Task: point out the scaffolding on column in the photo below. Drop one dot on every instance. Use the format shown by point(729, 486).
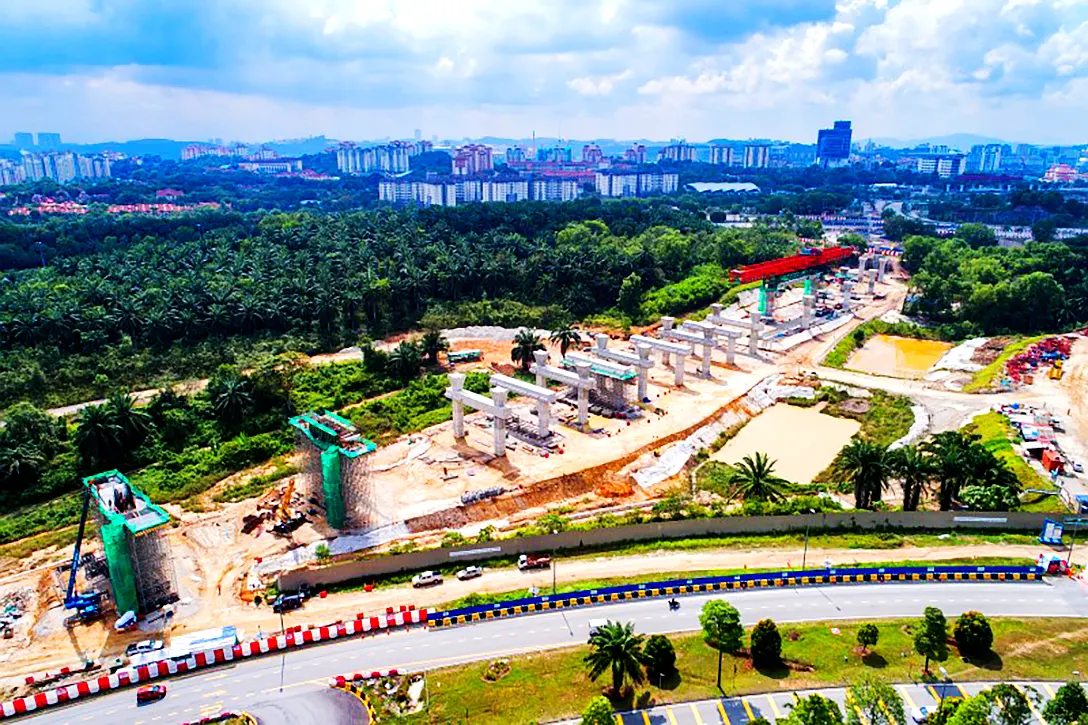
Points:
point(335, 468)
point(133, 531)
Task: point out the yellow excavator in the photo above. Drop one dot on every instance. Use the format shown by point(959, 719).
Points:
point(283, 513)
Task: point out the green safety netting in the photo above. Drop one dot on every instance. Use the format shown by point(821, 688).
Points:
point(334, 499)
point(115, 543)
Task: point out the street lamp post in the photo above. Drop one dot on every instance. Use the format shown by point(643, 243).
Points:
point(944, 690)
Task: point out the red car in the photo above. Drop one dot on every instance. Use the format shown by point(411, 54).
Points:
point(151, 693)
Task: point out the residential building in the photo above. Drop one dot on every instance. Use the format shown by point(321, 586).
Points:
point(989, 158)
point(636, 154)
point(757, 156)
point(507, 189)
point(629, 183)
point(472, 159)
point(11, 173)
point(59, 167)
point(390, 159)
point(198, 150)
point(725, 156)
point(833, 144)
point(944, 165)
point(24, 140)
point(48, 141)
point(1061, 174)
point(515, 154)
point(555, 189)
point(592, 154)
point(679, 151)
point(425, 193)
point(558, 153)
point(272, 166)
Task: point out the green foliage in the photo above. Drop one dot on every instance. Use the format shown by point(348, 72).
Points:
point(629, 298)
point(721, 625)
point(553, 523)
point(734, 294)
point(322, 552)
point(705, 284)
point(617, 649)
point(503, 313)
point(1069, 705)
point(972, 711)
point(754, 479)
point(598, 712)
point(451, 539)
point(422, 403)
point(868, 634)
point(256, 485)
point(867, 466)
point(766, 644)
point(931, 637)
point(1009, 706)
point(659, 656)
point(815, 710)
point(875, 702)
point(526, 342)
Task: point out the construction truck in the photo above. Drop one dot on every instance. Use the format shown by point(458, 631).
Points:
point(1056, 371)
point(286, 520)
point(88, 605)
point(534, 561)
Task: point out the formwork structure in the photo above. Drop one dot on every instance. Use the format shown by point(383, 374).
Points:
point(613, 383)
point(133, 531)
point(336, 468)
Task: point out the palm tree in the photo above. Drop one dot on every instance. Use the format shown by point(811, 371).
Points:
point(914, 471)
point(754, 478)
point(565, 337)
point(615, 647)
point(404, 361)
point(231, 396)
point(433, 343)
point(526, 342)
point(866, 465)
point(135, 424)
point(18, 459)
point(98, 437)
point(959, 460)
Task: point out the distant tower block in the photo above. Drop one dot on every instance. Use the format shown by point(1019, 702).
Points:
point(495, 406)
point(133, 532)
point(336, 468)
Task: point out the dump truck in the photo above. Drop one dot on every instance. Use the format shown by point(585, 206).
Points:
point(534, 561)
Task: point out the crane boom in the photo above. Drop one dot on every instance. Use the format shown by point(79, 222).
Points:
point(69, 595)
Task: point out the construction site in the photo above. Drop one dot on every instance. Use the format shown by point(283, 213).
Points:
point(584, 430)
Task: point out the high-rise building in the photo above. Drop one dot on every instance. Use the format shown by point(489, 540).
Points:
point(515, 154)
point(515, 189)
point(48, 141)
point(833, 144)
point(419, 135)
point(636, 154)
point(944, 165)
point(592, 154)
point(757, 156)
point(724, 155)
point(629, 183)
point(989, 158)
point(24, 140)
point(59, 167)
point(554, 189)
point(472, 159)
point(392, 158)
point(678, 151)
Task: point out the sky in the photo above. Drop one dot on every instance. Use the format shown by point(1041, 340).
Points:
point(97, 70)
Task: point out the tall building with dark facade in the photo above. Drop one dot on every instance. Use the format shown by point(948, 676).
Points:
point(833, 144)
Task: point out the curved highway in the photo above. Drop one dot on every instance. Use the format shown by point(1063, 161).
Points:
point(303, 673)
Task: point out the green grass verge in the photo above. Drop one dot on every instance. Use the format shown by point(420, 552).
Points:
point(985, 378)
point(998, 436)
point(552, 685)
point(842, 351)
point(63, 537)
point(475, 600)
point(45, 517)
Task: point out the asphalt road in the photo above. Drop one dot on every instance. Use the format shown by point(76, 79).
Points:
point(305, 672)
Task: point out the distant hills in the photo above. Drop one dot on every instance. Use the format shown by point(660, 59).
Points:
point(961, 141)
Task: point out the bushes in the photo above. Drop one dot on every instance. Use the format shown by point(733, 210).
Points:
point(868, 634)
point(659, 656)
point(973, 634)
point(421, 404)
point(504, 313)
point(706, 283)
point(766, 645)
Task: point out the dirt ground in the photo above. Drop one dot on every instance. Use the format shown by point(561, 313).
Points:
point(899, 357)
point(800, 441)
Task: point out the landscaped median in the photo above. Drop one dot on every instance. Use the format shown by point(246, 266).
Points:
point(293, 638)
point(529, 605)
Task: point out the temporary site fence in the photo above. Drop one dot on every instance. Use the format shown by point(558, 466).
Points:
point(606, 595)
point(252, 648)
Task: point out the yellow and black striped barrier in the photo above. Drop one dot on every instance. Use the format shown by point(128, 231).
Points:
point(364, 698)
point(748, 581)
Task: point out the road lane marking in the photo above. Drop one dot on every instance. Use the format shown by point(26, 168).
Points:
point(721, 711)
point(697, 714)
point(672, 718)
point(645, 718)
point(774, 708)
point(1049, 691)
point(748, 709)
point(905, 691)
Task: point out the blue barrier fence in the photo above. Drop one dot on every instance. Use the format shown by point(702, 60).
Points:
point(737, 581)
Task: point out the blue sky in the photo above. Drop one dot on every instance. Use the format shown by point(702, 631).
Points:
point(698, 69)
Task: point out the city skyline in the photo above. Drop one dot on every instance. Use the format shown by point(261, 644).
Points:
point(615, 68)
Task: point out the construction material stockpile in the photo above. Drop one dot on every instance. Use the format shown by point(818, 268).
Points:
point(1044, 352)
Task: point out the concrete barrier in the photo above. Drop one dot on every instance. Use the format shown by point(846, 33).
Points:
point(252, 648)
point(530, 605)
point(377, 566)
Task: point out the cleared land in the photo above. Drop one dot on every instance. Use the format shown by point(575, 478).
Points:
point(899, 357)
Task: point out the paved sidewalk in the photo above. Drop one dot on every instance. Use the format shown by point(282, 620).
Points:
point(776, 706)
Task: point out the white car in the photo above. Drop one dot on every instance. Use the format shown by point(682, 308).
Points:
point(426, 579)
point(147, 645)
point(1077, 467)
point(919, 714)
point(470, 572)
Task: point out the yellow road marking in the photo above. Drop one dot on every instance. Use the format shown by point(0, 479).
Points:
point(1031, 705)
point(748, 709)
point(672, 718)
point(619, 720)
point(851, 703)
point(698, 717)
point(905, 692)
point(646, 717)
point(774, 707)
point(721, 711)
point(1048, 689)
point(214, 693)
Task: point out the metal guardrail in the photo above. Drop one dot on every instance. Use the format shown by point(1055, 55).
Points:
point(836, 575)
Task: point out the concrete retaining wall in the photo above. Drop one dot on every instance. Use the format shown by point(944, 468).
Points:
point(573, 540)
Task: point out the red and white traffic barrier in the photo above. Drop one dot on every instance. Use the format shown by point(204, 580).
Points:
point(46, 677)
point(250, 648)
point(341, 680)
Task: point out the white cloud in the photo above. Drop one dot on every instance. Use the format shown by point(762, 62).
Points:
point(600, 86)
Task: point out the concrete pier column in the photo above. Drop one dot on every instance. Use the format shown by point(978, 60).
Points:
point(643, 351)
point(457, 383)
point(755, 327)
point(678, 372)
point(863, 261)
point(667, 323)
point(602, 341)
point(543, 419)
point(731, 349)
point(584, 373)
point(708, 348)
point(541, 358)
point(872, 281)
point(808, 310)
point(716, 310)
point(847, 290)
point(881, 269)
point(498, 395)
